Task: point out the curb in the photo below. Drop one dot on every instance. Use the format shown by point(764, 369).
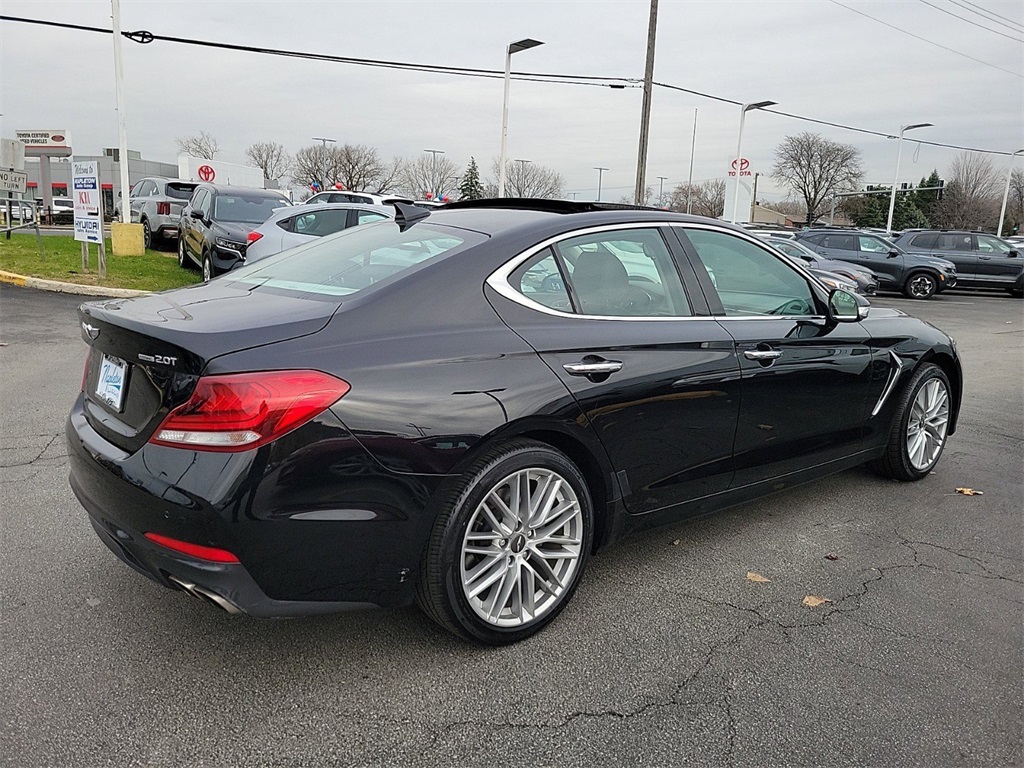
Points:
point(58, 287)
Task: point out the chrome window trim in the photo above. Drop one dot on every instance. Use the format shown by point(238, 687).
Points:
point(499, 278)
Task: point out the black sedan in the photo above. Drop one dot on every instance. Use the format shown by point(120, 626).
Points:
point(460, 406)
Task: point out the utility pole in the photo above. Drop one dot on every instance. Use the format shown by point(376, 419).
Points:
point(645, 113)
point(753, 198)
point(600, 176)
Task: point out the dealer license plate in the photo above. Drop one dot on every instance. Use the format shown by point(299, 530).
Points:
point(110, 387)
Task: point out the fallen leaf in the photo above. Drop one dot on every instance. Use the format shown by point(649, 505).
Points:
point(970, 492)
point(757, 577)
point(676, 542)
point(93, 601)
point(831, 556)
point(813, 601)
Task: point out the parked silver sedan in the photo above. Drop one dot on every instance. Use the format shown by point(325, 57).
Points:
point(289, 227)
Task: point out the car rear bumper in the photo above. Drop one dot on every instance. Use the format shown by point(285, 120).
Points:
point(321, 530)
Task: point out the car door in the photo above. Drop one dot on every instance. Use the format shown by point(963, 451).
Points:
point(996, 265)
point(806, 383)
point(959, 248)
point(656, 377)
point(881, 257)
point(138, 198)
point(202, 202)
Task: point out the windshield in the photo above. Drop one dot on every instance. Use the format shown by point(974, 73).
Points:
point(356, 259)
point(245, 209)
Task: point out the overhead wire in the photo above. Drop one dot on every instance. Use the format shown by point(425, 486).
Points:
point(145, 37)
point(984, 11)
point(969, 21)
point(926, 40)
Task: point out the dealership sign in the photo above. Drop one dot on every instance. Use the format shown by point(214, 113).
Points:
point(55, 139)
point(85, 191)
point(744, 165)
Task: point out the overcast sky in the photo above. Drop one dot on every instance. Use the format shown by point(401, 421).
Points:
point(815, 58)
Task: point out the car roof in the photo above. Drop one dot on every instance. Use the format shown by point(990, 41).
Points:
point(221, 189)
point(300, 210)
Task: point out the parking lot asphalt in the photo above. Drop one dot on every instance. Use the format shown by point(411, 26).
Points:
point(667, 655)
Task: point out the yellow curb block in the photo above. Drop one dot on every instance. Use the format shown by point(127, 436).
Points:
point(60, 287)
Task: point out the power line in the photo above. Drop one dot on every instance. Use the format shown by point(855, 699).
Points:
point(972, 23)
point(984, 11)
point(926, 40)
point(591, 80)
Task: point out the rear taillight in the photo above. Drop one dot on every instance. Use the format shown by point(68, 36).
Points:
point(252, 237)
point(194, 550)
point(239, 411)
point(163, 209)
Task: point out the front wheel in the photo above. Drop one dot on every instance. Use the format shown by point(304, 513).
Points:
point(920, 285)
point(509, 545)
point(208, 273)
point(183, 260)
point(919, 428)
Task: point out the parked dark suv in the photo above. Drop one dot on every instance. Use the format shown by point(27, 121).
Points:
point(982, 261)
point(916, 275)
point(215, 223)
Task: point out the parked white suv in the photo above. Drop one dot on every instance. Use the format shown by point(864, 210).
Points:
point(369, 198)
point(156, 204)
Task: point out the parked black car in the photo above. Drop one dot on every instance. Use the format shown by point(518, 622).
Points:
point(915, 275)
point(863, 278)
point(458, 407)
point(216, 221)
point(982, 261)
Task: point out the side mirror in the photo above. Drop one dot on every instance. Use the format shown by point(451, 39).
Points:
point(893, 254)
point(195, 213)
point(845, 307)
point(1012, 253)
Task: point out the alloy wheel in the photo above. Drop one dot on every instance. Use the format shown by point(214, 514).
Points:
point(921, 286)
point(522, 547)
point(927, 424)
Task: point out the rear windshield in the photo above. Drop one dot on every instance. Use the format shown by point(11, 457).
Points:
point(357, 258)
point(180, 191)
point(245, 209)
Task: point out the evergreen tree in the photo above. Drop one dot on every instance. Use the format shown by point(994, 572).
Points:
point(470, 187)
point(926, 201)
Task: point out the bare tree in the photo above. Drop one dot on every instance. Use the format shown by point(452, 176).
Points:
point(201, 145)
point(526, 179)
point(315, 164)
point(358, 166)
point(816, 168)
point(438, 176)
point(648, 198)
point(972, 194)
point(270, 157)
point(706, 198)
point(1015, 202)
point(391, 175)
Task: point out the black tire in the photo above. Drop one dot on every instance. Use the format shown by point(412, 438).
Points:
point(445, 577)
point(209, 272)
point(147, 235)
point(1017, 293)
point(920, 285)
point(183, 260)
point(896, 462)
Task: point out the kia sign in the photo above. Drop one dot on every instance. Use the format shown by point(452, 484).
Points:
point(206, 173)
point(85, 191)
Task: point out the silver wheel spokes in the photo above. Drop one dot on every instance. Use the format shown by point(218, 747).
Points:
point(926, 428)
point(522, 547)
point(920, 286)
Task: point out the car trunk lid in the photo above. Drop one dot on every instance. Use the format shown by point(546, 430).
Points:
point(147, 353)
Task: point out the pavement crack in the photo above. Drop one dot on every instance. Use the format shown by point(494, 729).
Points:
point(38, 456)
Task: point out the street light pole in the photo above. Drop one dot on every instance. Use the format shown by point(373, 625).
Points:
point(122, 124)
point(661, 191)
point(645, 112)
point(739, 151)
point(1006, 193)
point(325, 141)
point(433, 170)
point(895, 181)
point(600, 176)
point(516, 47)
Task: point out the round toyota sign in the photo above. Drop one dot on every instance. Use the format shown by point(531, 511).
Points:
point(206, 173)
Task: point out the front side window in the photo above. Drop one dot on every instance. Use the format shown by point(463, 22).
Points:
point(356, 258)
point(873, 245)
point(750, 280)
point(989, 244)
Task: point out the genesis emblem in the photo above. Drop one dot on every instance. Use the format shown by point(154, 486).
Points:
point(91, 330)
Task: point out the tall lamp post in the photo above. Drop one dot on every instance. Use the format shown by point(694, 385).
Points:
point(516, 47)
point(895, 181)
point(739, 150)
point(600, 176)
point(661, 191)
point(433, 170)
point(1006, 193)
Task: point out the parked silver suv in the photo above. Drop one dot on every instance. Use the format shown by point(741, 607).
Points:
point(156, 203)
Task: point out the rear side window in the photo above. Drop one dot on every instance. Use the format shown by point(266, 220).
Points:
point(924, 241)
point(355, 259)
point(842, 242)
point(541, 280)
point(179, 191)
point(950, 241)
point(320, 223)
point(368, 216)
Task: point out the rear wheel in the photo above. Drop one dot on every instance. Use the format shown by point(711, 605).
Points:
point(147, 235)
point(920, 285)
point(509, 545)
point(919, 428)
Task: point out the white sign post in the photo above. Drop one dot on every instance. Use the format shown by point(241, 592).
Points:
point(87, 196)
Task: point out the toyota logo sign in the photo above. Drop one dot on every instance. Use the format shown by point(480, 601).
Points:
point(206, 173)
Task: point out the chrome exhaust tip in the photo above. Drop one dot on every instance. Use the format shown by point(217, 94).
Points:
point(207, 596)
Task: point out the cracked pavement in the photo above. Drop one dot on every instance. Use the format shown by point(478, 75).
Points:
point(667, 655)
